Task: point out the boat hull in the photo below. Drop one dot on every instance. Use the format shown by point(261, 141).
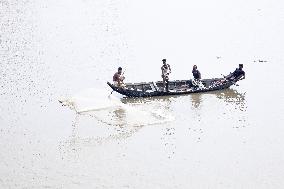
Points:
point(178, 87)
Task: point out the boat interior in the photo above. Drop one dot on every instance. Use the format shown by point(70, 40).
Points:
point(177, 85)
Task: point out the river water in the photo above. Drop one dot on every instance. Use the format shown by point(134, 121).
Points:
point(67, 50)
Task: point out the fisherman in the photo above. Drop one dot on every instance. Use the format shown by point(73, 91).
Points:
point(118, 78)
point(196, 78)
point(196, 74)
point(166, 70)
point(238, 74)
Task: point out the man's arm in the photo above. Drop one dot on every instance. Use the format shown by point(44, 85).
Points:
point(121, 78)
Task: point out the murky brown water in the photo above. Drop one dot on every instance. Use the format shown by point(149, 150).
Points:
point(53, 50)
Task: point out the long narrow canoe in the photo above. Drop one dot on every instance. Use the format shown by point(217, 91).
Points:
point(176, 87)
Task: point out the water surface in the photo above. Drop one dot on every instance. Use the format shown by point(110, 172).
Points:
point(54, 50)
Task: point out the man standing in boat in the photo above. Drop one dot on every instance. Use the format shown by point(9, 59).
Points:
point(166, 70)
point(118, 78)
point(196, 77)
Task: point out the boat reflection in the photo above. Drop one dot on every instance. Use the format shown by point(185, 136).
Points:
point(196, 100)
point(229, 96)
point(233, 98)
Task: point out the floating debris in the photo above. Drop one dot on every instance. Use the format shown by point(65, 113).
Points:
point(260, 61)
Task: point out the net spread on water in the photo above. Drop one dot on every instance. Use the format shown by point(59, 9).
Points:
point(109, 109)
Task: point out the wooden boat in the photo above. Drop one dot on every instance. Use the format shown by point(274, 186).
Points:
point(176, 87)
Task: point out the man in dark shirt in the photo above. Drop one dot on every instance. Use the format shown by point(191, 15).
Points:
point(118, 77)
point(239, 72)
point(196, 82)
point(196, 74)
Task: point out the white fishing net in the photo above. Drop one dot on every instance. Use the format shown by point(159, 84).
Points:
point(109, 109)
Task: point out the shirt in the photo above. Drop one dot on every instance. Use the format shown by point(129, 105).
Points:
point(116, 77)
point(166, 69)
point(196, 74)
point(238, 72)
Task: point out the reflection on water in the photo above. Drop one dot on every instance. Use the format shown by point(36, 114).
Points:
point(196, 100)
point(233, 97)
point(229, 96)
point(123, 121)
point(229, 104)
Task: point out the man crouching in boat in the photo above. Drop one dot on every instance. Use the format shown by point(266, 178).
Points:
point(166, 70)
point(238, 74)
point(118, 78)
